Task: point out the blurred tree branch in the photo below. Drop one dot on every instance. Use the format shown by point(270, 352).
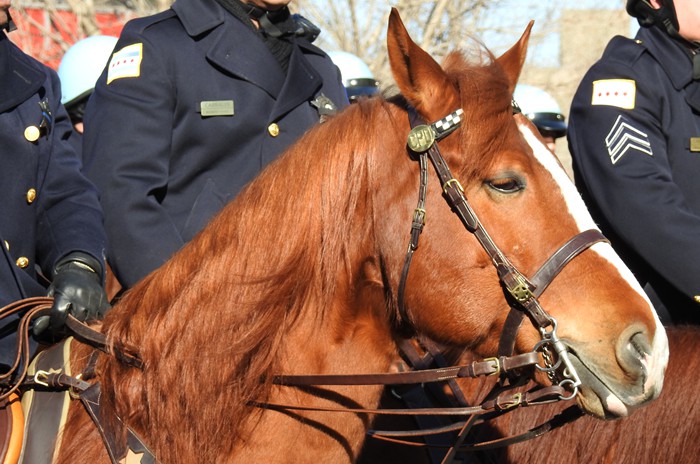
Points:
point(438, 26)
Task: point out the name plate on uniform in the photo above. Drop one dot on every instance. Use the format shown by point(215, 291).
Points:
point(216, 108)
point(695, 144)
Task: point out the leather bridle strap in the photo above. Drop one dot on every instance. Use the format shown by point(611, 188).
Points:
point(491, 366)
point(416, 229)
point(85, 333)
point(503, 402)
point(568, 415)
point(541, 280)
point(34, 307)
point(515, 283)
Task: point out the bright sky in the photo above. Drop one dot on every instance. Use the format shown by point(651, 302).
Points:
point(546, 14)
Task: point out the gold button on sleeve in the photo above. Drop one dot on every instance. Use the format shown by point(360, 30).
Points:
point(31, 195)
point(273, 129)
point(22, 262)
point(697, 298)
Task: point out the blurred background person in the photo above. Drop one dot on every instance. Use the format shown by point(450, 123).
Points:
point(544, 112)
point(357, 77)
point(79, 70)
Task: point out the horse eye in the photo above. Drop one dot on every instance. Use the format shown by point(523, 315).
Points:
point(506, 184)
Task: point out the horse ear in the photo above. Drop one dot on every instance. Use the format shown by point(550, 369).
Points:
point(512, 61)
point(419, 77)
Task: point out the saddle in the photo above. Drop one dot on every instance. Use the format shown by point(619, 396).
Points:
point(30, 427)
point(11, 430)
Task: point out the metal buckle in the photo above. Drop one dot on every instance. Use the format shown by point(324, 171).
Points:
point(497, 365)
point(516, 401)
point(449, 183)
point(42, 378)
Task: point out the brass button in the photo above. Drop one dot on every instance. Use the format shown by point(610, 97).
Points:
point(32, 133)
point(31, 195)
point(697, 298)
point(22, 262)
point(273, 129)
point(7, 245)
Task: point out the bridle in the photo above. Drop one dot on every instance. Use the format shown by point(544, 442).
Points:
point(521, 293)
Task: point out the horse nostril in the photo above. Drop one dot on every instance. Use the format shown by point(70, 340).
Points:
point(634, 353)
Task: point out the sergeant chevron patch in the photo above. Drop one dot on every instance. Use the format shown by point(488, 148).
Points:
point(623, 138)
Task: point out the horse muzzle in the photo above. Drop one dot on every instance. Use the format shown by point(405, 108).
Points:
point(642, 361)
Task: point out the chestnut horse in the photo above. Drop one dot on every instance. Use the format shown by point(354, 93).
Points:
point(300, 275)
point(665, 431)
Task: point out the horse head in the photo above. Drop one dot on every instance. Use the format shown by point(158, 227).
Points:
point(530, 208)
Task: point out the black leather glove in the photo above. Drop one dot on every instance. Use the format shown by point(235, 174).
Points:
point(77, 290)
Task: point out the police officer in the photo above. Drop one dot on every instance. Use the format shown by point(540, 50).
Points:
point(357, 77)
point(194, 103)
point(634, 135)
point(79, 70)
point(51, 233)
point(544, 112)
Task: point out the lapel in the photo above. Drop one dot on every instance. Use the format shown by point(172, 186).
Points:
point(229, 44)
point(19, 80)
point(302, 82)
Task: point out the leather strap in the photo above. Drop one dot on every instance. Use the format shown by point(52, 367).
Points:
point(541, 280)
point(117, 449)
point(85, 333)
point(569, 415)
point(503, 402)
point(553, 266)
point(492, 366)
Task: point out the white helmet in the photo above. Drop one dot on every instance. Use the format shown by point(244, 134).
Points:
point(82, 65)
point(357, 77)
point(542, 109)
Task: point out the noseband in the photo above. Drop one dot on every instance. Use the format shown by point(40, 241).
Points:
point(521, 293)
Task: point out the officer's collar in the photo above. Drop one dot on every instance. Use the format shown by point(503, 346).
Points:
point(670, 53)
point(20, 79)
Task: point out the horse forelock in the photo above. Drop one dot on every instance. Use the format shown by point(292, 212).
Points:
point(485, 98)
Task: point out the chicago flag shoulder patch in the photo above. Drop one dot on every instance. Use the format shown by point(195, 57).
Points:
point(125, 63)
point(614, 92)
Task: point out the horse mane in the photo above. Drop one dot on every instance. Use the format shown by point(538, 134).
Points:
point(210, 323)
